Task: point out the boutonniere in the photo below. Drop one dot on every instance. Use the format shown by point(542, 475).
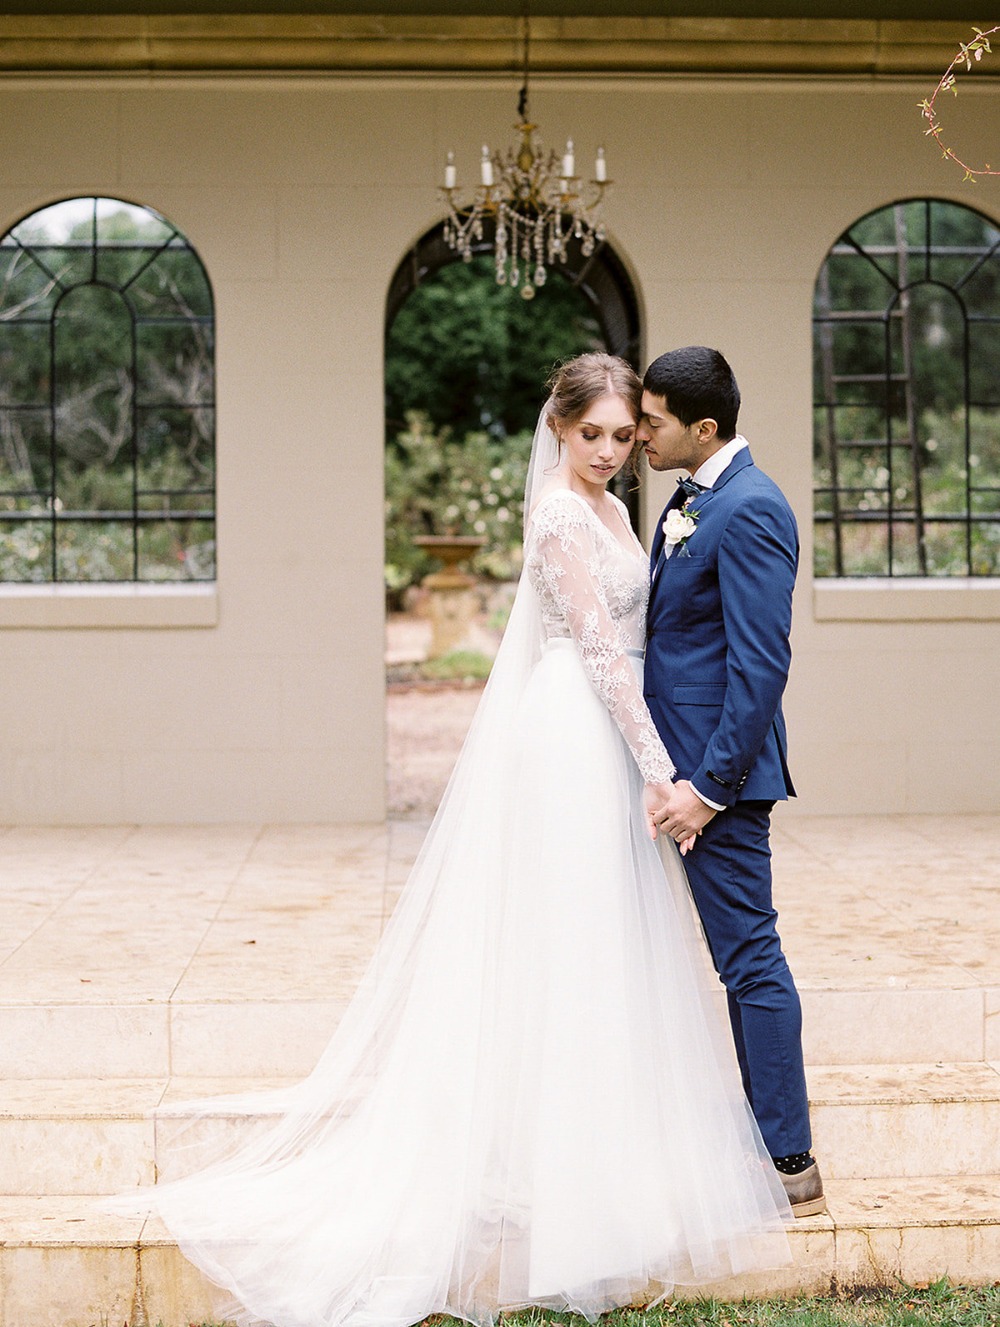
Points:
point(679, 526)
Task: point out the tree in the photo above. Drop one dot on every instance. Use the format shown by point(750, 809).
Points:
point(473, 355)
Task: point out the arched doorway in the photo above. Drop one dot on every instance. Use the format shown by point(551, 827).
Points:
point(494, 400)
point(602, 278)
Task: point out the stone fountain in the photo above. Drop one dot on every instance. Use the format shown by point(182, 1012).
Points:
point(451, 602)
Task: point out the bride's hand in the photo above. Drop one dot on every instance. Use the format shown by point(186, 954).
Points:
point(687, 844)
point(654, 798)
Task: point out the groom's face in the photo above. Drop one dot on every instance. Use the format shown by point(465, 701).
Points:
point(669, 444)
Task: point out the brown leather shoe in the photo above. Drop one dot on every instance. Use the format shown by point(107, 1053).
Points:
point(805, 1191)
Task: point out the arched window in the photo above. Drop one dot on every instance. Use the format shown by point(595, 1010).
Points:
point(107, 398)
point(907, 395)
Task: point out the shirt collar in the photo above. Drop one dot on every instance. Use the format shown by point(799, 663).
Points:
point(712, 469)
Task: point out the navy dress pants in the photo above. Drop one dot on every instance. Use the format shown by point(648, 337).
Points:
point(729, 870)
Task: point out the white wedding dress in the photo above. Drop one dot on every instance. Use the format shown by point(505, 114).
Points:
point(532, 1099)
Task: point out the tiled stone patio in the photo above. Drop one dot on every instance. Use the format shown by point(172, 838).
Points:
point(135, 960)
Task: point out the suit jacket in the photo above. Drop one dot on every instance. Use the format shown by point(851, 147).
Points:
point(717, 651)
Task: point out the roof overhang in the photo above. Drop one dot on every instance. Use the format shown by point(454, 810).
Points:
point(707, 37)
point(906, 11)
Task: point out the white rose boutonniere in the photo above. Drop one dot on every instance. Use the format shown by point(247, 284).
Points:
point(678, 528)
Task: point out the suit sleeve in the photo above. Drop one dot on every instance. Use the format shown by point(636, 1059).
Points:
point(758, 557)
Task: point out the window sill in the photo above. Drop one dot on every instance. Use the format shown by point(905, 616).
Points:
point(109, 606)
point(955, 599)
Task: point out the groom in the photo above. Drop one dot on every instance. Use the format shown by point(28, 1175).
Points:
point(717, 654)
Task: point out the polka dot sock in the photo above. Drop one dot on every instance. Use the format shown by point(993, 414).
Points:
point(794, 1164)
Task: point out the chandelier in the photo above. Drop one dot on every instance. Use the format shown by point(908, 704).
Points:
point(537, 203)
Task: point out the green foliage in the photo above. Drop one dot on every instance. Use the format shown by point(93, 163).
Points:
point(473, 355)
point(465, 365)
point(168, 549)
point(461, 665)
point(436, 484)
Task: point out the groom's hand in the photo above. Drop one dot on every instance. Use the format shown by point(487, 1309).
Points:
point(683, 815)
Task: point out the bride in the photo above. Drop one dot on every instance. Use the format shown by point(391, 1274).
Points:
point(532, 1098)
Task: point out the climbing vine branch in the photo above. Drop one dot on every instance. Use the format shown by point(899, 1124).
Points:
point(968, 52)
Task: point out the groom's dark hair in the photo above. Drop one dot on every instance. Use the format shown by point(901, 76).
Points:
point(696, 383)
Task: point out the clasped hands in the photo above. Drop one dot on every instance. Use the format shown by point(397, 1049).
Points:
point(677, 810)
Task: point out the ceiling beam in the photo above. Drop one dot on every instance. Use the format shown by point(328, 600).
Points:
point(905, 10)
point(441, 45)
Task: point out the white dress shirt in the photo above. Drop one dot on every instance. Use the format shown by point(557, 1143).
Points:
point(712, 469)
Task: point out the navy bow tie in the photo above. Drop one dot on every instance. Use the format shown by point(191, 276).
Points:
point(690, 489)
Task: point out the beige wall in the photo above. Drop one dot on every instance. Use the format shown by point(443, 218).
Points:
point(301, 196)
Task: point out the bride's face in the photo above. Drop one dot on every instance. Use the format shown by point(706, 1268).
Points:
point(597, 446)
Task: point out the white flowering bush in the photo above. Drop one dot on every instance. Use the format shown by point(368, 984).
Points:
point(437, 484)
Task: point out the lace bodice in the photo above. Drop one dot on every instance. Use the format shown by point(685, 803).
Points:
point(594, 591)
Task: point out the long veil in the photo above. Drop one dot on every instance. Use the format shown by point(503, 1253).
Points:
point(466, 834)
point(431, 1161)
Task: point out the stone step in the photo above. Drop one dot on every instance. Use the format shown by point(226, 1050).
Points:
point(77, 1137)
point(905, 1120)
point(63, 1263)
point(247, 1037)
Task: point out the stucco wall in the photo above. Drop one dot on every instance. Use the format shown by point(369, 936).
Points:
point(301, 195)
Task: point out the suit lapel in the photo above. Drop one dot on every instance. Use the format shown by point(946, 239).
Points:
point(656, 559)
point(656, 552)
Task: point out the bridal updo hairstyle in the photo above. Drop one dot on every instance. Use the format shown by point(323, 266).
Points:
point(575, 385)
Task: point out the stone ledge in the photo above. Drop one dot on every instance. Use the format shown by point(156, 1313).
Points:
point(898, 599)
point(108, 606)
point(404, 44)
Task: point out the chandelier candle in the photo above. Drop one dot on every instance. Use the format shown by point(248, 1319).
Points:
point(536, 202)
point(537, 206)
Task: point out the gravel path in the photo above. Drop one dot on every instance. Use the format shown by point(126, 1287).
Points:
point(426, 729)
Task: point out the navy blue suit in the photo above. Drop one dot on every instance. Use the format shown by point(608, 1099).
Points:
point(717, 658)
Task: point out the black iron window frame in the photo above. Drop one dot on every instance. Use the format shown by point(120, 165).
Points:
point(137, 516)
point(844, 510)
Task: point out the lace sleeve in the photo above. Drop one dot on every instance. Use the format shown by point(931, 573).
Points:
point(564, 563)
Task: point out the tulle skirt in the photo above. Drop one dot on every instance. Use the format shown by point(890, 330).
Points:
point(532, 1099)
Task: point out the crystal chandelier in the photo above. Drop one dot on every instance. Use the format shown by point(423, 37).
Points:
point(538, 203)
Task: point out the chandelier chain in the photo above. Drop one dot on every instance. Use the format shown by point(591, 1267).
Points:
point(522, 101)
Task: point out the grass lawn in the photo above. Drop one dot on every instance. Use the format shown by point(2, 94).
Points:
point(937, 1305)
